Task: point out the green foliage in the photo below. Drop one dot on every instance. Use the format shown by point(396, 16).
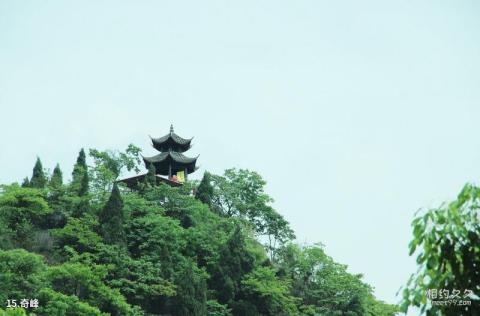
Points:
point(176, 202)
point(80, 177)
point(162, 251)
point(325, 284)
point(233, 264)
point(139, 280)
point(79, 234)
point(21, 210)
point(81, 159)
point(86, 283)
point(150, 178)
point(54, 303)
point(447, 240)
point(20, 274)
point(269, 293)
point(191, 291)
point(39, 179)
point(375, 307)
point(214, 308)
point(25, 183)
point(111, 219)
point(108, 166)
point(158, 238)
point(13, 312)
point(56, 181)
point(84, 185)
point(54, 197)
point(240, 193)
point(205, 189)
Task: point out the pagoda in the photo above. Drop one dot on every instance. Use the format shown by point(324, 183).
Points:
point(170, 162)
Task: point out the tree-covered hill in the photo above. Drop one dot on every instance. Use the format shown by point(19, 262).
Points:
point(93, 247)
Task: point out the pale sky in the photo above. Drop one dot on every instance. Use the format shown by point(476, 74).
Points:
point(357, 113)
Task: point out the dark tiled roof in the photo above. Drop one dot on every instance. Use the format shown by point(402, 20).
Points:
point(176, 139)
point(177, 157)
point(133, 182)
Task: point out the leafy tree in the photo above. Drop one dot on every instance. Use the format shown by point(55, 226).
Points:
point(87, 283)
point(20, 274)
point(21, 212)
point(207, 236)
point(214, 308)
point(38, 180)
point(79, 234)
point(325, 285)
point(270, 294)
point(276, 228)
point(205, 189)
point(112, 219)
point(56, 181)
point(241, 193)
point(109, 165)
point(447, 240)
point(55, 303)
point(13, 312)
point(176, 202)
point(157, 239)
point(376, 307)
point(138, 280)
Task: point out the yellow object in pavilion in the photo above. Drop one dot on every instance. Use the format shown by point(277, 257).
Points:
point(181, 176)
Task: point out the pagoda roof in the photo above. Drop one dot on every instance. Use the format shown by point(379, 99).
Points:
point(134, 181)
point(175, 156)
point(171, 141)
point(171, 162)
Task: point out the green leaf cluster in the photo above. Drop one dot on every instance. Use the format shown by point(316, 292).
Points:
point(447, 243)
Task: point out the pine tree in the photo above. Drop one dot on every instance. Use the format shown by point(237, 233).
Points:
point(111, 219)
point(84, 184)
point(39, 179)
point(25, 183)
point(56, 181)
point(57, 218)
point(235, 261)
point(150, 178)
point(191, 295)
point(205, 190)
point(82, 158)
point(80, 180)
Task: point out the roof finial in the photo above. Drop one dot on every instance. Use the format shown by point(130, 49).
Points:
point(171, 128)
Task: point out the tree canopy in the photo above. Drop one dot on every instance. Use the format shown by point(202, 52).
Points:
point(447, 243)
point(91, 246)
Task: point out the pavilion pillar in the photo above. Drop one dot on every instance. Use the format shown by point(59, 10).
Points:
point(169, 171)
point(186, 174)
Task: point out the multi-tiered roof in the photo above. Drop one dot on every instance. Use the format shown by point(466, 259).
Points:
point(171, 159)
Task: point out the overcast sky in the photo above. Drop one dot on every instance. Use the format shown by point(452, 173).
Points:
point(357, 113)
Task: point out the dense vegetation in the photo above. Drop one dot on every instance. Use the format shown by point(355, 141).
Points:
point(218, 247)
point(447, 242)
